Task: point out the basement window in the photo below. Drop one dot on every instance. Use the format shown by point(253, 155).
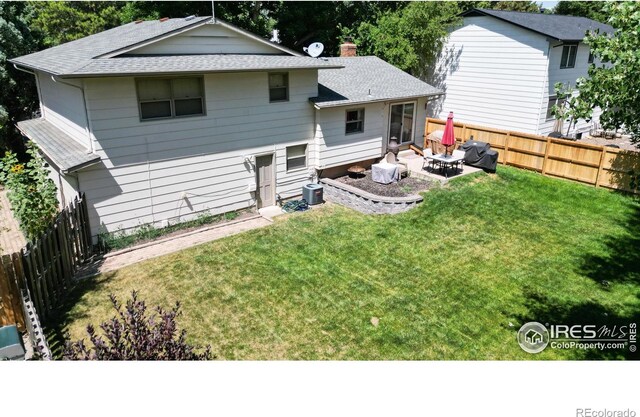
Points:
point(162, 98)
point(278, 87)
point(296, 157)
point(568, 59)
point(355, 121)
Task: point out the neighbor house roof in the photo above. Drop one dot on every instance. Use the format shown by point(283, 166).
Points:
point(101, 54)
point(366, 79)
point(558, 27)
point(61, 149)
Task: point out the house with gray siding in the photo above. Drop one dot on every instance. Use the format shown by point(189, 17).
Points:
point(158, 121)
point(499, 69)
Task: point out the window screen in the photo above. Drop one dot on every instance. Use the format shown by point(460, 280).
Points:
point(296, 157)
point(279, 87)
point(166, 97)
point(355, 121)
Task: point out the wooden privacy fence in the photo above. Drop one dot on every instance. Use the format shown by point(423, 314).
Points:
point(45, 266)
point(600, 166)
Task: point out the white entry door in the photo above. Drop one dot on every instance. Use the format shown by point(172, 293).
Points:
point(401, 122)
point(266, 181)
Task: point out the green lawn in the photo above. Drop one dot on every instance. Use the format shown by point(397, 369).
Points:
point(452, 279)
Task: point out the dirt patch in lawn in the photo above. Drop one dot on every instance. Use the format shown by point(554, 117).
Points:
point(403, 188)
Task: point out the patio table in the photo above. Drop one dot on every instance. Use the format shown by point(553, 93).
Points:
point(384, 173)
point(446, 161)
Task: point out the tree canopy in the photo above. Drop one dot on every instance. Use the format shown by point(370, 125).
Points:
point(589, 9)
point(613, 83)
point(18, 95)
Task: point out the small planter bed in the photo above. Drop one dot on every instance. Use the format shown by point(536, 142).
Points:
point(406, 187)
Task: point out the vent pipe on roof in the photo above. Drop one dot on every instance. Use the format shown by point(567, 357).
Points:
point(193, 16)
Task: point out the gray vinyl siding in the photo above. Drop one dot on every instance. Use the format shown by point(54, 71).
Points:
point(567, 76)
point(147, 165)
point(493, 74)
point(336, 148)
point(63, 106)
point(207, 39)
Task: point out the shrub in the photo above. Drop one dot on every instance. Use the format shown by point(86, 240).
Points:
point(31, 192)
point(133, 335)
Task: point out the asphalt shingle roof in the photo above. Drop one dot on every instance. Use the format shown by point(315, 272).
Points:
point(172, 64)
point(562, 28)
point(366, 79)
point(86, 56)
point(67, 154)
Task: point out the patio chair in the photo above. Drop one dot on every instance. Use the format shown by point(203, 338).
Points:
point(390, 158)
point(460, 154)
point(428, 153)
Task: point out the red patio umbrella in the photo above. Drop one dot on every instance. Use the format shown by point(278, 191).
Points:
point(448, 139)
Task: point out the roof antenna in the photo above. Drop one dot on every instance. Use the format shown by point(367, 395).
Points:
point(213, 10)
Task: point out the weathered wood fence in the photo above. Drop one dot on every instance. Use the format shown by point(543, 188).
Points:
point(600, 166)
point(45, 267)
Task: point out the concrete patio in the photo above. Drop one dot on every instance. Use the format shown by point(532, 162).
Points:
point(415, 162)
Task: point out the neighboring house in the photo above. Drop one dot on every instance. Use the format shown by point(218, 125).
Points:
point(157, 121)
point(499, 68)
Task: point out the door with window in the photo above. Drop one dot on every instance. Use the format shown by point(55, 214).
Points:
point(401, 122)
point(265, 180)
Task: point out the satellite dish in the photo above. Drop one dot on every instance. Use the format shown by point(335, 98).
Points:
point(314, 50)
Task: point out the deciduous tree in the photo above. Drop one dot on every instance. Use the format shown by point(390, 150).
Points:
point(613, 83)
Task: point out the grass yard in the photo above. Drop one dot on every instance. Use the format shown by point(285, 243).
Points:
point(452, 279)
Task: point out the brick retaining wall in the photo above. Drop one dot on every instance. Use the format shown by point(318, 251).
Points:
point(365, 202)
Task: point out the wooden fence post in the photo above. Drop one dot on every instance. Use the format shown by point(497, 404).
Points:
point(547, 147)
point(602, 158)
point(506, 149)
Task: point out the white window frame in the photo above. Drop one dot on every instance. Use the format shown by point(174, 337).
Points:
point(306, 157)
point(286, 87)
point(569, 62)
point(347, 121)
point(171, 99)
point(550, 106)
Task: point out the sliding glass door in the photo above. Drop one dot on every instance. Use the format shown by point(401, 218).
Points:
point(401, 122)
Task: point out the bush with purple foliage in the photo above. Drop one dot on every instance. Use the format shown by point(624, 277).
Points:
point(133, 335)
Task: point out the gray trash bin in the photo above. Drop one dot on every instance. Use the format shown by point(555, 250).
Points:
point(312, 193)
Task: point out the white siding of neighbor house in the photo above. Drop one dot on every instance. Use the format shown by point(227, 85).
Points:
point(567, 76)
point(63, 106)
point(335, 148)
point(148, 165)
point(207, 39)
point(493, 74)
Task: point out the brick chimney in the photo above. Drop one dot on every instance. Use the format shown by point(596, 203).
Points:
point(348, 48)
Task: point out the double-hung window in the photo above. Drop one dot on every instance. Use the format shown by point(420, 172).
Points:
point(278, 87)
point(553, 101)
point(355, 121)
point(161, 98)
point(568, 59)
point(296, 157)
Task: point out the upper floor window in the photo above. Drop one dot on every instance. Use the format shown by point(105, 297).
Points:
point(161, 98)
point(568, 59)
point(355, 121)
point(590, 59)
point(278, 86)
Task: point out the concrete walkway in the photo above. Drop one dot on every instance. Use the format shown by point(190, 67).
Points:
point(11, 238)
point(129, 256)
